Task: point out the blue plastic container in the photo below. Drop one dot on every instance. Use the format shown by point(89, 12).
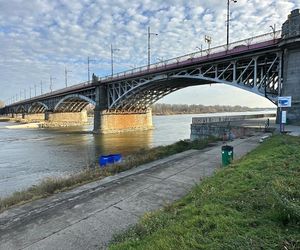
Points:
point(109, 159)
point(117, 157)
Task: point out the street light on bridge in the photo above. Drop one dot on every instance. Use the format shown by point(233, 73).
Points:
point(51, 83)
point(273, 27)
point(112, 50)
point(200, 49)
point(149, 48)
point(228, 20)
point(208, 40)
point(88, 64)
point(66, 76)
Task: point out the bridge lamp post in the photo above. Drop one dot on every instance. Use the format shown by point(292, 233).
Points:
point(51, 83)
point(41, 87)
point(228, 14)
point(208, 40)
point(273, 30)
point(88, 64)
point(149, 47)
point(112, 50)
point(200, 49)
point(66, 76)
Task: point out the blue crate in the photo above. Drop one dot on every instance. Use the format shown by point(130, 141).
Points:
point(109, 159)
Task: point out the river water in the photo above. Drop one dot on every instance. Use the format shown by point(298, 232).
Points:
point(30, 155)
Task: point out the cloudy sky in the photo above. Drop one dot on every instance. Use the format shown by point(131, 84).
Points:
point(39, 38)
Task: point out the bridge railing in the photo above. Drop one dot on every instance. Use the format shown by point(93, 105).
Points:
point(55, 92)
point(235, 47)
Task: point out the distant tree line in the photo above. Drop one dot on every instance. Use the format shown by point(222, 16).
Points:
point(170, 109)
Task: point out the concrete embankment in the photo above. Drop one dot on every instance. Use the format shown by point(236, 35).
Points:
point(88, 216)
point(228, 127)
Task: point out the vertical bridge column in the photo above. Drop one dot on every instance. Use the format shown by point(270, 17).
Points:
point(112, 122)
point(101, 106)
point(290, 45)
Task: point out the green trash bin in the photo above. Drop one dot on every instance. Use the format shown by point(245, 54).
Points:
point(227, 155)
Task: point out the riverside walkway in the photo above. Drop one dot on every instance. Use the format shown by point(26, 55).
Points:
point(88, 216)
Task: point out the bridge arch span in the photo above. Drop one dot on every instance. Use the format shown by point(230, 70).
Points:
point(256, 74)
point(142, 96)
point(20, 109)
point(73, 103)
point(38, 107)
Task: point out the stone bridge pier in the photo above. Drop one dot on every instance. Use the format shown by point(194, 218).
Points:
point(67, 117)
point(290, 45)
point(34, 117)
point(114, 122)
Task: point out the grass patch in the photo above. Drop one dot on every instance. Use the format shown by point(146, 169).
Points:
point(147, 155)
point(253, 204)
point(50, 186)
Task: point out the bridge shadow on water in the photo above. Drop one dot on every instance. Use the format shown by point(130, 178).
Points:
point(96, 144)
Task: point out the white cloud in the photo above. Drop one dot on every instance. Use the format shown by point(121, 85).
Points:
point(39, 37)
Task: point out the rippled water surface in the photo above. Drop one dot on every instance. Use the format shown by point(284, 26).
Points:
point(29, 155)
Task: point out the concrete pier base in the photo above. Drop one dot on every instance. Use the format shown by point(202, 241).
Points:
point(17, 116)
point(67, 118)
point(34, 117)
point(105, 122)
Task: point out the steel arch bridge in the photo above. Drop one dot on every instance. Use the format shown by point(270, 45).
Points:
point(267, 65)
point(253, 64)
point(258, 73)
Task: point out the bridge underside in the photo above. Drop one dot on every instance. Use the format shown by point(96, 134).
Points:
point(142, 98)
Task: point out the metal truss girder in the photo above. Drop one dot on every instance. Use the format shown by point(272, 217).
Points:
point(37, 107)
point(66, 104)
